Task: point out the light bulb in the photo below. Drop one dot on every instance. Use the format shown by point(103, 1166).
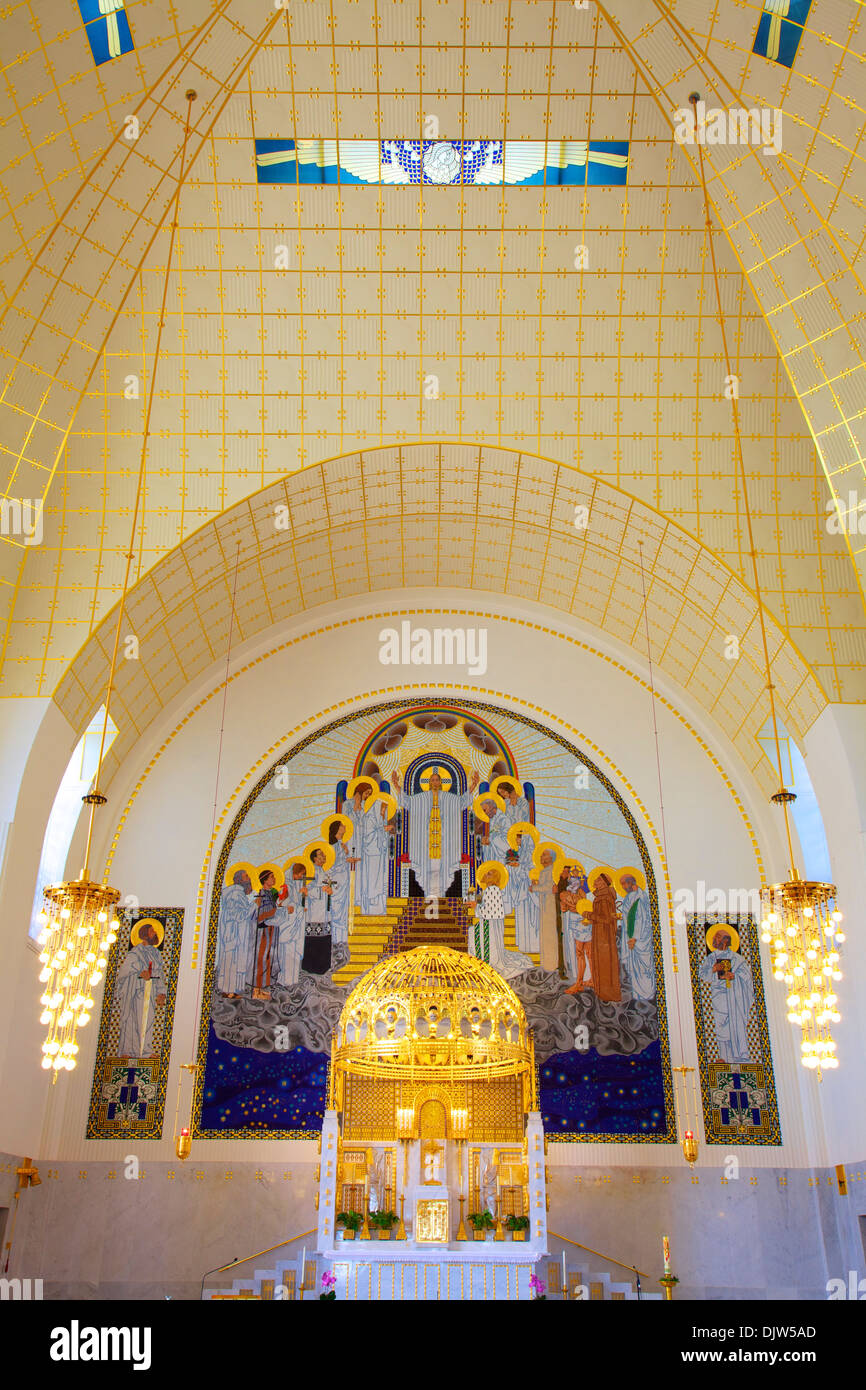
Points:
point(811, 955)
point(792, 1000)
point(777, 975)
point(766, 938)
point(808, 912)
point(45, 1017)
point(772, 917)
point(44, 975)
point(835, 1018)
point(836, 916)
point(102, 916)
point(82, 1019)
point(831, 1062)
point(65, 913)
point(840, 936)
point(791, 931)
point(96, 977)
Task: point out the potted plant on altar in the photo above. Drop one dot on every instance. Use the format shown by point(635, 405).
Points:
point(518, 1226)
point(328, 1290)
point(382, 1221)
point(481, 1222)
point(351, 1221)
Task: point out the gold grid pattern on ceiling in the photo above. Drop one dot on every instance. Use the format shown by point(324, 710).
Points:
point(617, 368)
point(398, 516)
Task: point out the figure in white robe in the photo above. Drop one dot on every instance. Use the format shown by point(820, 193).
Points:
point(236, 935)
point(636, 950)
point(487, 931)
point(340, 874)
point(371, 878)
point(494, 844)
point(521, 900)
point(516, 808)
point(435, 873)
point(733, 994)
point(139, 988)
point(576, 936)
point(291, 943)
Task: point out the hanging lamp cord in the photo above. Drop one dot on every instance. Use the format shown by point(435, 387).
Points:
point(95, 797)
point(782, 796)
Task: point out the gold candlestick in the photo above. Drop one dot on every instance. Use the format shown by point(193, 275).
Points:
point(500, 1234)
point(669, 1283)
point(461, 1229)
point(365, 1229)
point(401, 1229)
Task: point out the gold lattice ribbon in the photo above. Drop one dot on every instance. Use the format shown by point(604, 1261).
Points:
point(435, 838)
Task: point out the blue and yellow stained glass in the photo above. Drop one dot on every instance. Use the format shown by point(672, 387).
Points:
point(780, 29)
point(107, 29)
point(492, 162)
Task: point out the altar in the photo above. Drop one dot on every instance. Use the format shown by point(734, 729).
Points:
point(432, 1148)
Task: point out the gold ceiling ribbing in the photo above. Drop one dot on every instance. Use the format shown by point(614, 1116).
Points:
point(615, 367)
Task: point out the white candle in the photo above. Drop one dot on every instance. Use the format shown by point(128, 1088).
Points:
point(666, 1251)
point(303, 1266)
point(564, 1279)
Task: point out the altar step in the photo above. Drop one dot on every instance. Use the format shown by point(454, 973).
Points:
point(451, 1276)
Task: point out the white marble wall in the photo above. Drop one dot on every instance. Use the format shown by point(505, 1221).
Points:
point(771, 1233)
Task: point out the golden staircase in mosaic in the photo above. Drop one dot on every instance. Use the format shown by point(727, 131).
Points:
point(404, 925)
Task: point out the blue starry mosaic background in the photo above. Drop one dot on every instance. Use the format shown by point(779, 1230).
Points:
point(245, 1089)
point(587, 1093)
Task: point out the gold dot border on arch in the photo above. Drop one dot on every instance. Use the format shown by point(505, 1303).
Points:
point(397, 690)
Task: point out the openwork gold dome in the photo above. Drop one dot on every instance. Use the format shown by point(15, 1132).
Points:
point(433, 1016)
point(432, 1007)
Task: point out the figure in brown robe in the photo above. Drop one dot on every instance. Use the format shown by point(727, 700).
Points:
point(605, 961)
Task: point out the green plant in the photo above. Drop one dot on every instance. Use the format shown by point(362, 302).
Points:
point(481, 1220)
point(352, 1220)
point(517, 1223)
point(383, 1220)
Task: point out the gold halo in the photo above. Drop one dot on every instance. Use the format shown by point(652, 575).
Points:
point(575, 864)
point(601, 869)
point(279, 876)
point(558, 859)
point(233, 869)
point(634, 873)
point(504, 777)
point(726, 927)
point(135, 934)
point(522, 827)
point(357, 782)
point(307, 857)
point(445, 775)
point(388, 800)
point(486, 796)
point(325, 827)
point(492, 864)
point(583, 905)
point(291, 862)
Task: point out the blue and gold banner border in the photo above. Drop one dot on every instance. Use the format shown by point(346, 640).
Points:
point(98, 1125)
point(769, 1131)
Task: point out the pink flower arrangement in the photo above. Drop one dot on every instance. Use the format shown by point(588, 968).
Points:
point(328, 1282)
point(537, 1286)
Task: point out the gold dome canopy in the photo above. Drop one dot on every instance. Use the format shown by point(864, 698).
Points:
point(432, 1015)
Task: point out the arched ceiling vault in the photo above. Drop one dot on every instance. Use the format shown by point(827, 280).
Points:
point(397, 519)
point(616, 369)
point(799, 262)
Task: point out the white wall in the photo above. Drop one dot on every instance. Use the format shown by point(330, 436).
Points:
point(312, 671)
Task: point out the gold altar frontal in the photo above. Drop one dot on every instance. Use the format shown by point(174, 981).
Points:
point(431, 1221)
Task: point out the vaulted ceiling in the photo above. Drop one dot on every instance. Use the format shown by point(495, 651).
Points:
point(273, 361)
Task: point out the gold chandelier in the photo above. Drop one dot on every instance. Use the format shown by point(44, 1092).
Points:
point(803, 924)
point(78, 921)
point(799, 917)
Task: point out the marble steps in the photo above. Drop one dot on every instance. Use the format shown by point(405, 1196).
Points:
point(371, 1277)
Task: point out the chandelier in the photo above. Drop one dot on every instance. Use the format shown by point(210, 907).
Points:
point(804, 926)
point(78, 929)
point(799, 917)
point(78, 921)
